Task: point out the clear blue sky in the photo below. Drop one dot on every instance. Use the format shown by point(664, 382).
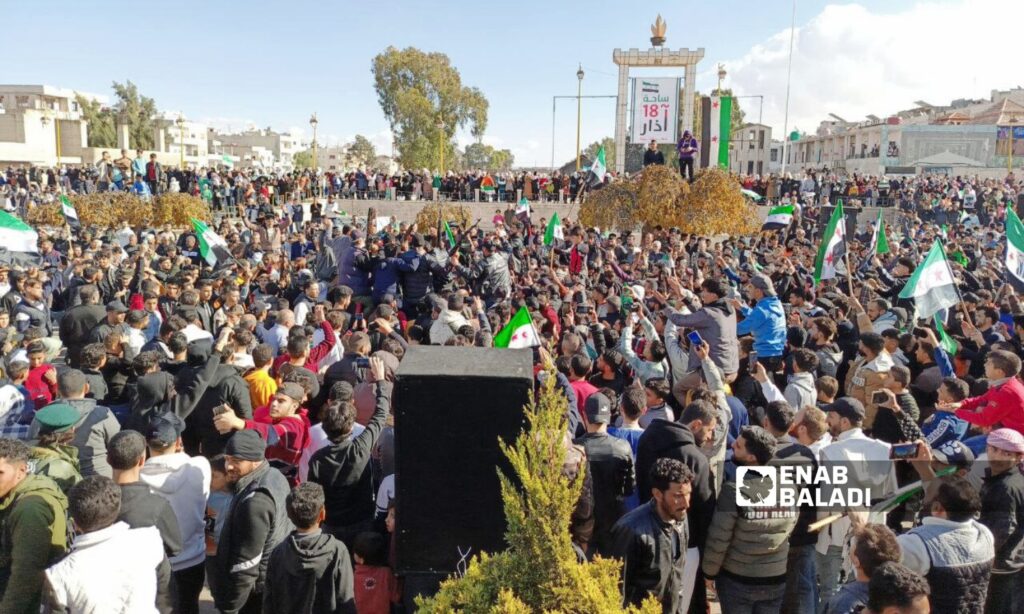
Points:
point(273, 63)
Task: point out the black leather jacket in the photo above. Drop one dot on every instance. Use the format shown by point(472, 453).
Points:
point(653, 552)
point(611, 466)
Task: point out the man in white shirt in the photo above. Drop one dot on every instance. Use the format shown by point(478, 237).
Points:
point(184, 481)
point(111, 567)
point(869, 467)
point(305, 303)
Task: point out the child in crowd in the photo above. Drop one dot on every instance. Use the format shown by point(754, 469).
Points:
point(16, 408)
point(310, 571)
point(943, 426)
point(375, 587)
point(93, 358)
point(41, 382)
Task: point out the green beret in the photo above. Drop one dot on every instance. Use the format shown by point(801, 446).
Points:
point(57, 418)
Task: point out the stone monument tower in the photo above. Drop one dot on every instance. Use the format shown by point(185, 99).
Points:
point(656, 56)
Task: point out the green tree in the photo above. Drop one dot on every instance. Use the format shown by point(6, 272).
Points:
point(480, 156)
point(477, 155)
point(362, 149)
point(589, 153)
point(100, 122)
point(502, 160)
point(303, 159)
point(539, 572)
point(138, 112)
point(423, 97)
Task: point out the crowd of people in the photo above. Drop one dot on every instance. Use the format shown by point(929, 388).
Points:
point(167, 425)
point(228, 189)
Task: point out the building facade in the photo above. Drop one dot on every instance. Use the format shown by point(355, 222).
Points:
point(282, 145)
point(41, 125)
point(750, 149)
point(964, 134)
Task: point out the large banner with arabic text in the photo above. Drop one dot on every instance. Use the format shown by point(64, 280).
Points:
point(655, 110)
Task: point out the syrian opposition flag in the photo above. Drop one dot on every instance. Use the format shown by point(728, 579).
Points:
point(945, 340)
point(523, 211)
point(554, 230)
point(449, 234)
point(598, 169)
point(212, 247)
point(879, 243)
point(932, 285)
point(778, 218)
point(833, 246)
point(18, 242)
point(69, 212)
point(717, 127)
point(1014, 250)
point(519, 333)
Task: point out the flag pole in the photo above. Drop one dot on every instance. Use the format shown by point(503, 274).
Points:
point(956, 287)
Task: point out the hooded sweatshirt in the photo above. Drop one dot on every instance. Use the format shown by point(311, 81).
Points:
point(94, 429)
point(664, 439)
point(33, 535)
point(309, 572)
point(184, 481)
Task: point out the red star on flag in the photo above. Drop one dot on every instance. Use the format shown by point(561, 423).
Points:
point(714, 105)
point(939, 275)
point(829, 258)
point(714, 139)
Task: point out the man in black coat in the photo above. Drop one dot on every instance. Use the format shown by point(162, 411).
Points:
point(343, 467)
point(652, 540)
point(610, 462)
point(682, 441)
point(652, 155)
point(225, 387)
point(77, 323)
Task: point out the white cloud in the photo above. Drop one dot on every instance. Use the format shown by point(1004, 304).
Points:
point(852, 62)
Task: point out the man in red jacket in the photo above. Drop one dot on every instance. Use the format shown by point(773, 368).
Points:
point(284, 425)
point(1003, 404)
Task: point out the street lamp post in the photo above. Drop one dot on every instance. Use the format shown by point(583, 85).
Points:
point(579, 112)
point(181, 140)
point(721, 77)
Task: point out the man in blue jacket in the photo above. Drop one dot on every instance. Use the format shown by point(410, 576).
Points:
point(766, 322)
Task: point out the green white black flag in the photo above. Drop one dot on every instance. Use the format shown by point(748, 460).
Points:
point(598, 169)
point(518, 333)
point(1014, 250)
point(833, 246)
point(69, 212)
point(778, 218)
point(212, 247)
point(932, 285)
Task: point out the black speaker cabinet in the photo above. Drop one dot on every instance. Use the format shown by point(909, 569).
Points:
point(451, 405)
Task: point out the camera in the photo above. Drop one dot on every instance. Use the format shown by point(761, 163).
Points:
point(362, 362)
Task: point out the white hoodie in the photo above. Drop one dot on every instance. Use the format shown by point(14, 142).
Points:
point(185, 482)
